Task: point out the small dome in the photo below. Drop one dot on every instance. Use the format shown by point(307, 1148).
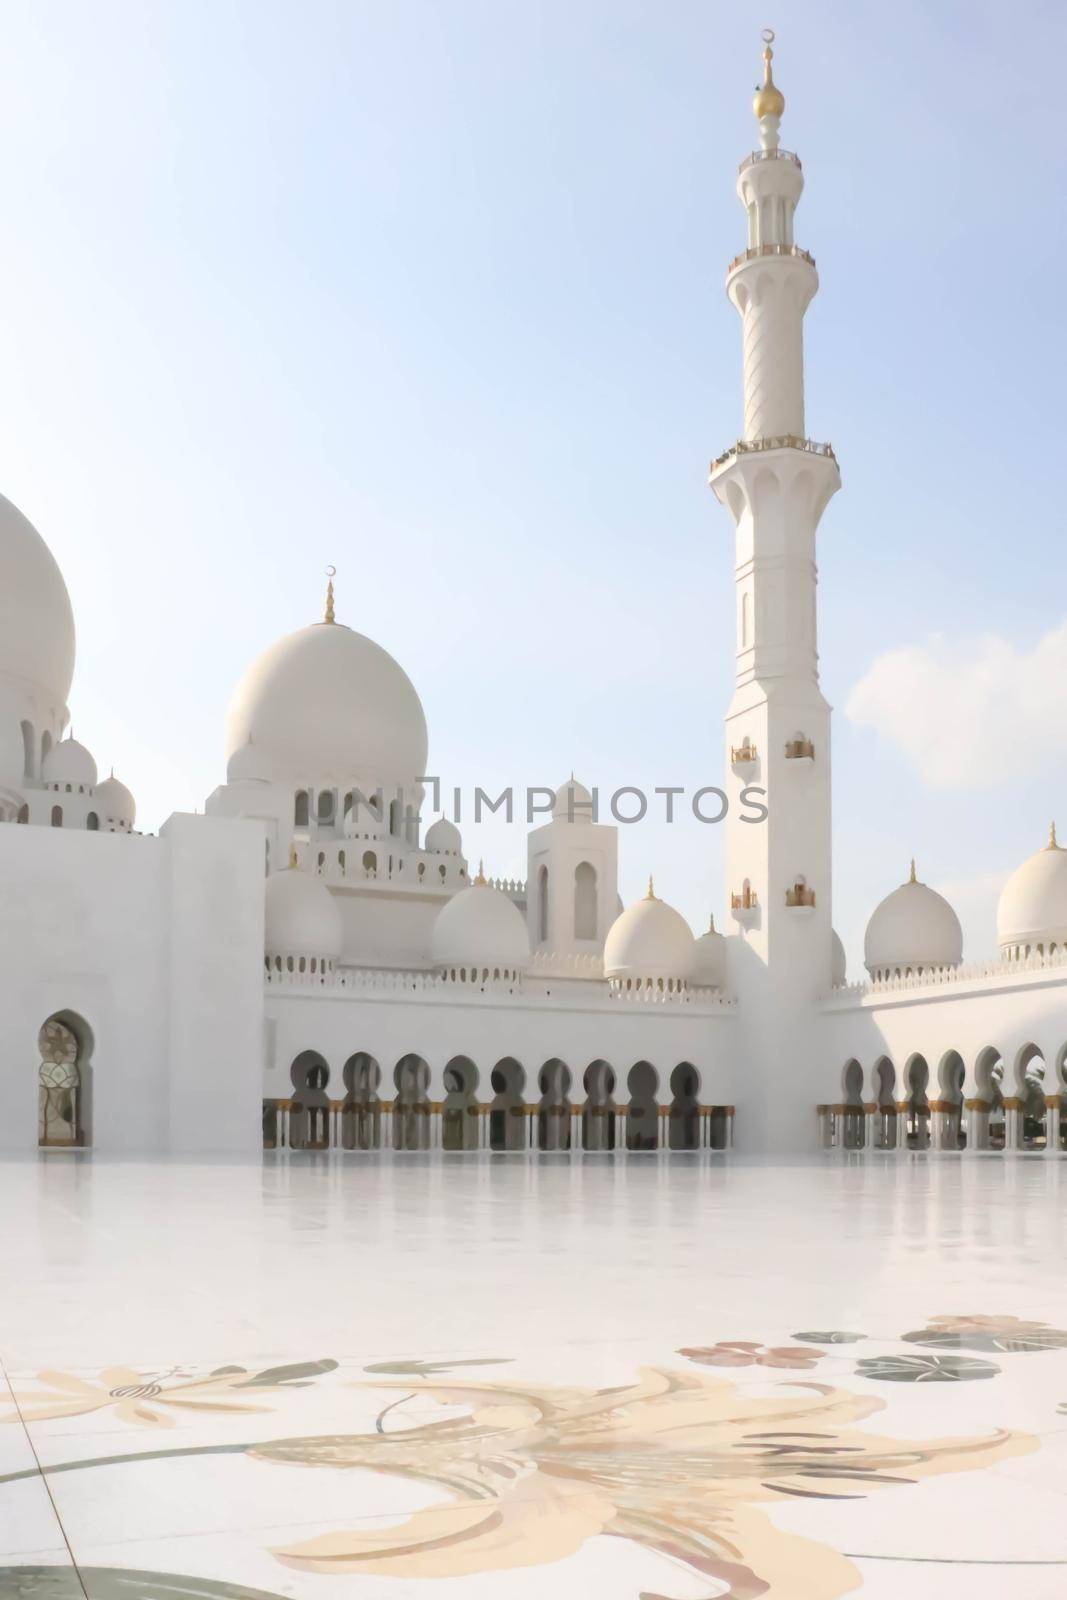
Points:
point(115, 803)
point(838, 960)
point(913, 928)
point(36, 622)
point(481, 927)
point(648, 942)
point(69, 762)
point(709, 959)
point(326, 703)
point(573, 802)
point(443, 838)
point(302, 918)
point(1033, 903)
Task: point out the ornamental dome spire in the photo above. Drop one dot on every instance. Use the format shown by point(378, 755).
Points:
point(769, 101)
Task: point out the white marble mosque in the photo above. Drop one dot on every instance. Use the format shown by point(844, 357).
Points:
point(335, 975)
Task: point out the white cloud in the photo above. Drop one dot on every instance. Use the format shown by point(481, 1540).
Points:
point(969, 715)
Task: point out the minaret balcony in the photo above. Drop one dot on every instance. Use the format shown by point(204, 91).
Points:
point(768, 155)
point(776, 441)
point(770, 250)
point(800, 900)
point(744, 758)
point(800, 749)
point(744, 907)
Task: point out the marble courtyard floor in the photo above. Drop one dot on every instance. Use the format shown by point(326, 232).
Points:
point(426, 1378)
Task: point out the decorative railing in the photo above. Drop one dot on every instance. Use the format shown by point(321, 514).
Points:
point(769, 155)
point(742, 755)
point(561, 964)
point(756, 251)
point(777, 441)
point(508, 885)
point(950, 977)
point(799, 750)
point(745, 901)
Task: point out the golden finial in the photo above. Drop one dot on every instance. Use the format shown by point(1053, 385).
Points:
point(711, 922)
point(1052, 838)
point(480, 881)
point(331, 573)
point(913, 878)
point(293, 862)
point(769, 101)
point(651, 895)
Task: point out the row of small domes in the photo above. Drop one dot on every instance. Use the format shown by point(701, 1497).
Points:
point(482, 927)
point(915, 927)
point(70, 763)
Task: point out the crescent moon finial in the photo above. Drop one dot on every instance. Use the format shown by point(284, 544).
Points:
point(330, 574)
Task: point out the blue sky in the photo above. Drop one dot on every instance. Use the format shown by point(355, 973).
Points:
point(434, 293)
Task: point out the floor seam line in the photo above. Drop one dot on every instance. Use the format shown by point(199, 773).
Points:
point(47, 1486)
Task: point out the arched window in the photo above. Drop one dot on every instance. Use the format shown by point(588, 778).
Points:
point(341, 861)
point(370, 861)
point(325, 805)
point(27, 750)
point(92, 822)
point(300, 809)
point(57, 816)
point(744, 621)
point(542, 905)
point(585, 901)
point(394, 816)
point(24, 813)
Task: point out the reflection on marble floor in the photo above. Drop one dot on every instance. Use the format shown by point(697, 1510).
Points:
point(598, 1394)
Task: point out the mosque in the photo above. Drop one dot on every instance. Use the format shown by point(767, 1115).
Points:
point(310, 964)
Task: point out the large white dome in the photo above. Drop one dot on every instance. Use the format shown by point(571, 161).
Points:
point(115, 803)
point(914, 928)
point(326, 703)
point(649, 941)
point(302, 918)
point(481, 928)
point(443, 838)
point(36, 621)
point(1033, 903)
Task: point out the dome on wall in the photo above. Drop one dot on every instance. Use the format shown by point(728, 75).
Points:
point(326, 703)
point(709, 959)
point(914, 927)
point(69, 762)
point(302, 918)
point(115, 803)
point(36, 621)
point(443, 838)
point(1032, 908)
point(481, 927)
point(648, 942)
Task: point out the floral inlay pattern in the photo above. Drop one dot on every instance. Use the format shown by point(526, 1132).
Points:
point(676, 1462)
point(925, 1369)
point(834, 1337)
point(1012, 1335)
point(150, 1399)
point(743, 1353)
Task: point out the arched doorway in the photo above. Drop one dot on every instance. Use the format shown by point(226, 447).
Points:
point(952, 1129)
point(683, 1124)
point(411, 1105)
point(916, 1082)
point(1030, 1077)
point(598, 1113)
point(64, 1082)
point(459, 1114)
point(585, 897)
point(361, 1109)
point(885, 1122)
point(507, 1109)
point(554, 1106)
point(642, 1113)
point(990, 1129)
point(309, 1111)
point(853, 1119)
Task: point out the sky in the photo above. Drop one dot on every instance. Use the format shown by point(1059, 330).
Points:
point(434, 293)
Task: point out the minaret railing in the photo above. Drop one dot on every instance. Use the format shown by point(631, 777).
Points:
point(755, 251)
point(778, 441)
point(770, 155)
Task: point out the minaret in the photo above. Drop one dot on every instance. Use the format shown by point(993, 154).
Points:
point(776, 482)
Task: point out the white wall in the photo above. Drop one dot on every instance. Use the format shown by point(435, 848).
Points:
point(157, 944)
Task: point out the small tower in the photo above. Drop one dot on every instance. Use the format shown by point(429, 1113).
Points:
point(572, 875)
point(776, 482)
